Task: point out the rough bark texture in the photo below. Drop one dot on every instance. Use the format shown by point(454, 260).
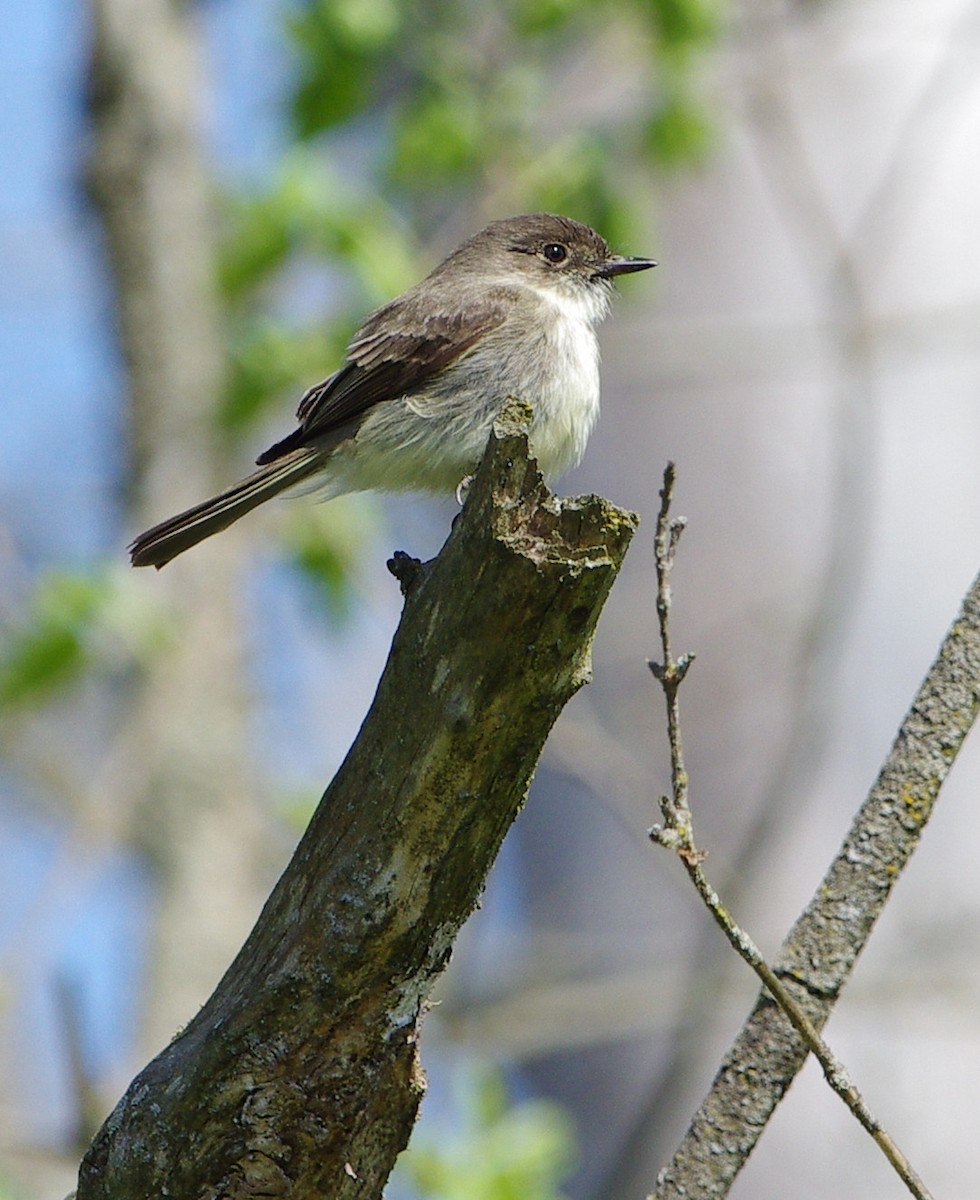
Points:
point(823, 946)
point(300, 1075)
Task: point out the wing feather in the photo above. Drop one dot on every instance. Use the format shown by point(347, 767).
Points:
point(396, 351)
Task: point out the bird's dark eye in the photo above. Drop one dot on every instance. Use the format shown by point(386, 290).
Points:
point(555, 252)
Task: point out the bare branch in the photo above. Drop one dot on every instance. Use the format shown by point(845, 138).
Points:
point(697, 1162)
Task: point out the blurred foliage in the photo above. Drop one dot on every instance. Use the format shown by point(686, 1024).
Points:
point(307, 211)
point(303, 219)
point(447, 108)
point(326, 545)
point(494, 1151)
point(347, 42)
point(74, 623)
point(679, 132)
point(685, 25)
point(49, 649)
point(454, 111)
point(413, 122)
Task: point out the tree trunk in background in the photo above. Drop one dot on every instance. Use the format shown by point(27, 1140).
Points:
point(188, 791)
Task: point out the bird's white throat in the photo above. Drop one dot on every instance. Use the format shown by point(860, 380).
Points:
point(568, 406)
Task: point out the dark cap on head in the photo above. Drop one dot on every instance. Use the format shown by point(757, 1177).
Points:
point(560, 244)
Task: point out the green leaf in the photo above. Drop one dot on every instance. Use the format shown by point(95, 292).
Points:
point(498, 1152)
point(307, 221)
point(438, 138)
point(271, 362)
point(257, 240)
point(327, 569)
point(573, 175)
point(74, 623)
point(326, 543)
point(39, 663)
point(535, 17)
point(679, 134)
point(339, 45)
point(686, 23)
point(364, 24)
point(370, 240)
point(48, 651)
point(262, 231)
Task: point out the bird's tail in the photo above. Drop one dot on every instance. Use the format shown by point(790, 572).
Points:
point(157, 546)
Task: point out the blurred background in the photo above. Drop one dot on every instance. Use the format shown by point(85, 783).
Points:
point(198, 203)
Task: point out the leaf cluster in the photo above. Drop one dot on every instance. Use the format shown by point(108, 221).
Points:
point(74, 623)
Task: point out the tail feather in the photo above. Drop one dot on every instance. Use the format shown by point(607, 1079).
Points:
point(157, 546)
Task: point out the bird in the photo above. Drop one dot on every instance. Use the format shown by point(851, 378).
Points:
point(512, 312)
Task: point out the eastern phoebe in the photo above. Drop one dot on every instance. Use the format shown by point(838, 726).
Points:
point(512, 312)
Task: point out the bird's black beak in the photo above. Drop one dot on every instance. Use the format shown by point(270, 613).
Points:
point(618, 265)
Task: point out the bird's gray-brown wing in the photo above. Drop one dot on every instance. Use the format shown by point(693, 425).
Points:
point(396, 351)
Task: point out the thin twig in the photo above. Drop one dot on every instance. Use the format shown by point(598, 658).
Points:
point(677, 833)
